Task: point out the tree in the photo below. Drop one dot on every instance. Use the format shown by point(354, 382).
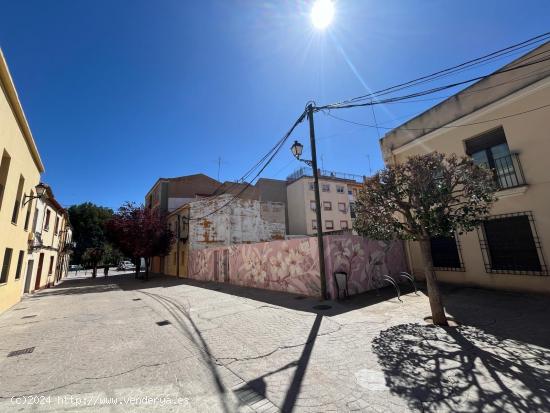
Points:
point(88, 222)
point(140, 232)
point(427, 196)
point(92, 256)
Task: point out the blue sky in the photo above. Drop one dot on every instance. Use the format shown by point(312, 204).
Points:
point(119, 93)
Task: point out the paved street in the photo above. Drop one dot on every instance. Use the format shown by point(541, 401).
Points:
point(98, 347)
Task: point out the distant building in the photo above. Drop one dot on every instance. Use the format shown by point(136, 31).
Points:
point(49, 244)
point(20, 169)
point(219, 221)
point(337, 191)
point(168, 194)
point(500, 127)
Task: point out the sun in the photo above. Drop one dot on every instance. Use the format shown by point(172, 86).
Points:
point(322, 13)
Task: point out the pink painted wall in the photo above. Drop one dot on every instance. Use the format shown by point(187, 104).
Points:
point(364, 260)
point(292, 265)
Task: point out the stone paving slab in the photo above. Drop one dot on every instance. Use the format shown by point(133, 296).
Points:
point(231, 349)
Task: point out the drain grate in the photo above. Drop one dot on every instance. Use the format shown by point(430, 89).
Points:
point(22, 308)
point(322, 307)
point(163, 323)
point(29, 316)
point(21, 352)
point(136, 299)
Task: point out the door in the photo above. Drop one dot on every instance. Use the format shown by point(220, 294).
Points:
point(225, 264)
point(39, 272)
point(28, 277)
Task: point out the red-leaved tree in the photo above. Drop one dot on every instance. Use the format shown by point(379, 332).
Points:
point(140, 232)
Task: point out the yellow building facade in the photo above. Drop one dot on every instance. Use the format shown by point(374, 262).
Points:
point(501, 122)
point(20, 169)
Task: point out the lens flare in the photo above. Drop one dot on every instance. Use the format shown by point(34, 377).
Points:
point(322, 13)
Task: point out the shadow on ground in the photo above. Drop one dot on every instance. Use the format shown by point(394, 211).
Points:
point(288, 300)
point(498, 360)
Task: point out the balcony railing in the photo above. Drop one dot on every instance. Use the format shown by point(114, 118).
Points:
point(305, 171)
point(508, 172)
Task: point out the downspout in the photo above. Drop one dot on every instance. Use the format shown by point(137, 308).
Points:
point(178, 247)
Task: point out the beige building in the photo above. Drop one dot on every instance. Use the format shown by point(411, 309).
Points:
point(336, 191)
point(502, 121)
point(49, 244)
point(20, 168)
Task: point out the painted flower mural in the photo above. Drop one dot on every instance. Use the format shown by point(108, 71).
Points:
point(292, 265)
point(364, 260)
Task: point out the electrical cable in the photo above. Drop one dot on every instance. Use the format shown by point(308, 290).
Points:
point(327, 113)
point(453, 69)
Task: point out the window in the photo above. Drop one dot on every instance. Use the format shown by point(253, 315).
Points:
point(325, 187)
point(327, 206)
point(352, 209)
point(342, 207)
point(314, 223)
point(47, 220)
point(445, 254)
point(6, 265)
point(19, 264)
point(349, 192)
point(56, 226)
point(50, 269)
point(340, 189)
point(329, 224)
point(491, 150)
point(311, 186)
point(28, 215)
point(355, 192)
point(312, 205)
point(4, 168)
point(510, 244)
point(344, 225)
point(17, 204)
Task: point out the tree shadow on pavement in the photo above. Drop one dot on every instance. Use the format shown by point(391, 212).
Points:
point(463, 369)
point(185, 324)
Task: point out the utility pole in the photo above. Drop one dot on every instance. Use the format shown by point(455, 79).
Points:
point(310, 110)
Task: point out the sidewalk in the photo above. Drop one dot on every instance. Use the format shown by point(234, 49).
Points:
point(226, 348)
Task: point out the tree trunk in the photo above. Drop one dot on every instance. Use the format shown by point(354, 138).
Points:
point(94, 270)
point(147, 260)
point(436, 303)
point(137, 264)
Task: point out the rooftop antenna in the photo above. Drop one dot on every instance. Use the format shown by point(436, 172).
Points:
point(368, 160)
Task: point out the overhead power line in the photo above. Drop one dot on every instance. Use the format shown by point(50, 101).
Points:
point(273, 153)
point(326, 112)
point(428, 91)
point(453, 69)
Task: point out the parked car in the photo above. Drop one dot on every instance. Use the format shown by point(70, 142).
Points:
point(75, 267)
point(126, 265)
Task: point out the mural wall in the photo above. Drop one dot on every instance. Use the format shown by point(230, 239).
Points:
point(364, 260)
point(292, 265)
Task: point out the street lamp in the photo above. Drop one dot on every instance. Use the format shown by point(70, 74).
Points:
point(40, 193)
point(297, 149)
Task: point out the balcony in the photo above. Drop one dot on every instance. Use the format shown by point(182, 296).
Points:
point(305, 171)
point(508, 172)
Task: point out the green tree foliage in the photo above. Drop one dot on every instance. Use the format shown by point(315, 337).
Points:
point(427, 196)
point(88, 221)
